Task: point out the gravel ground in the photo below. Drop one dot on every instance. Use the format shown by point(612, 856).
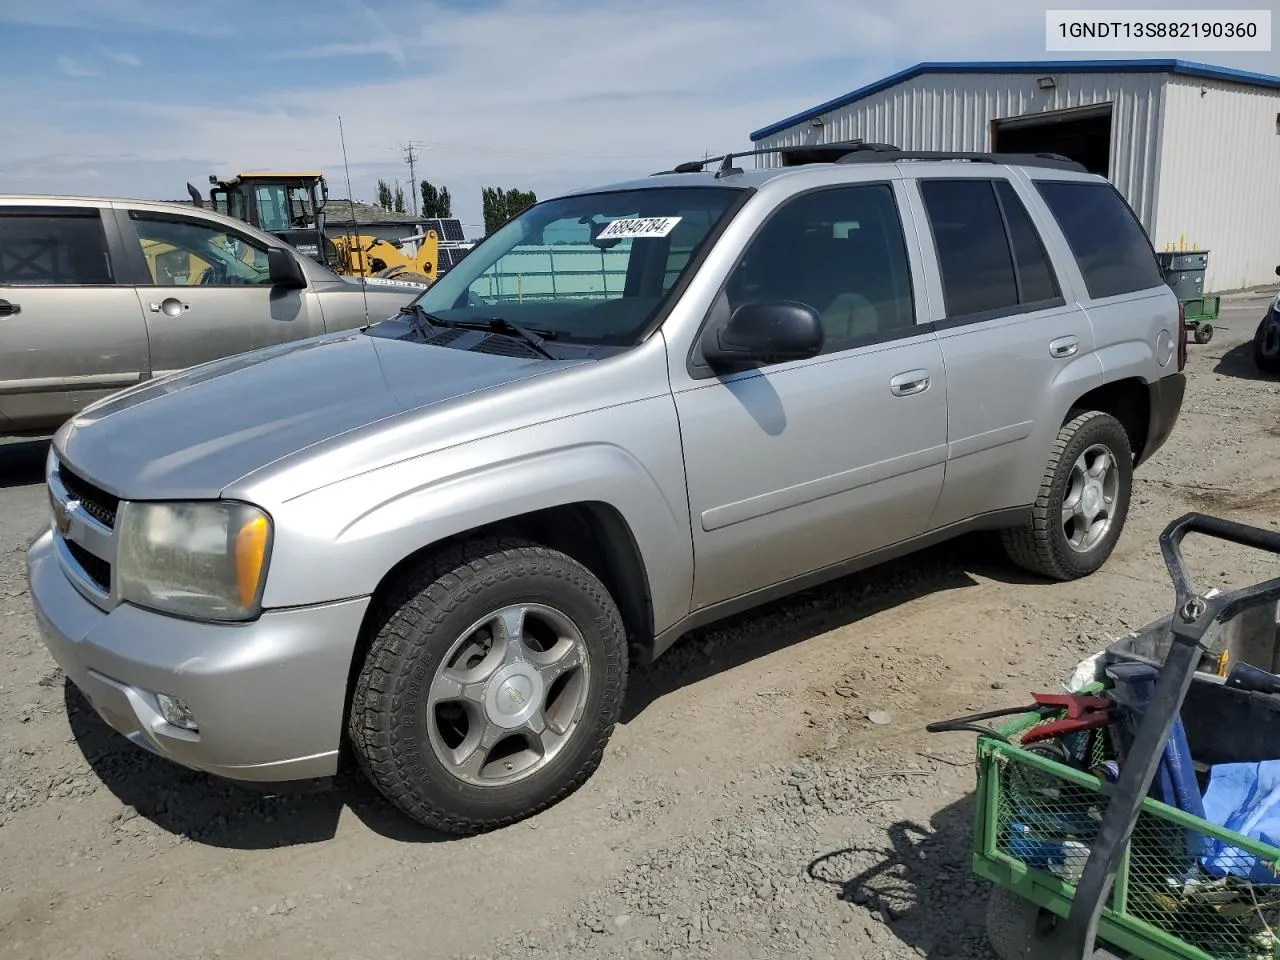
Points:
point(770, 793)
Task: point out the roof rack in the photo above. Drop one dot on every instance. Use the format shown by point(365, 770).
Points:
point(1055, 161)
point(858, 151)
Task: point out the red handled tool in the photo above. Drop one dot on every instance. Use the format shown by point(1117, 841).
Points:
point(1083, 713)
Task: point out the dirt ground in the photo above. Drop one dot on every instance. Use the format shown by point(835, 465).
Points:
point(747, 808)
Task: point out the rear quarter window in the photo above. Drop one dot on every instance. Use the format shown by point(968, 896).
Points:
point(50, 248)
point(1109, 244)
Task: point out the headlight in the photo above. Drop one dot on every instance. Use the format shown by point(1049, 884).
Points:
point(202, 560)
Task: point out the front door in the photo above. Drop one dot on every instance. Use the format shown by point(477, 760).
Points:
point(800, 465)
point(70, 332)
point(206, 291)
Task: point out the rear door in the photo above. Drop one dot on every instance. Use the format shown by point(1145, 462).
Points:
point(70, 331)
point(1016, 345)
point(206, 291)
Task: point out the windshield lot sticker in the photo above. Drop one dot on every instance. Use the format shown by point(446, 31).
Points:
point(644, 227)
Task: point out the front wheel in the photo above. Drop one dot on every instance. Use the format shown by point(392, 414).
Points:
point(1266, 345)
point(1083, 501)
point(1204, 332)
point(491, 687)
point(1015, 924)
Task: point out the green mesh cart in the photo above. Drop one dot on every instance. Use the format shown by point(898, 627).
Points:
point(1199, 315)
point(1084, 861)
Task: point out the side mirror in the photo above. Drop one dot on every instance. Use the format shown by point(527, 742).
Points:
point(283, 270)
point(769, 332)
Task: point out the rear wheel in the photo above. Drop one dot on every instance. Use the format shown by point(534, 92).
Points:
point(491, 687)
point(1083, 501)
point(1204, 332)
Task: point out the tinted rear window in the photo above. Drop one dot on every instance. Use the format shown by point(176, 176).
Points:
point(42, 249)
point(1109, 243)
point(1034, 272)
point(973, 250)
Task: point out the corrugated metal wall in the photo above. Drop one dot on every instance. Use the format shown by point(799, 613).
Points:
point(1220, 179)
point(954, 112)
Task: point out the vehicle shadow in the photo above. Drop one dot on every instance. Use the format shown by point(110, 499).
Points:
point(763, 630)
point(22, 462)
point(919, 886)
point(1238, 363)
point(219, 813)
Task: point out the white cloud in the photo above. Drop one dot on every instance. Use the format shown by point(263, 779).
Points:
point(72, 67)
point(123, 57)
point(552, 96)
point(360, 48)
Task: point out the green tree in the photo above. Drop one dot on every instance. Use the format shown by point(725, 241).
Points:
point(500, 205)
point(399, 201)
point(436, 202)
point(384, 195)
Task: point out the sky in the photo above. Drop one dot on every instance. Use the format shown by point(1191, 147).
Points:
point(137, 98)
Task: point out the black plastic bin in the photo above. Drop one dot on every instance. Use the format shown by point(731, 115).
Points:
point(1223, 724)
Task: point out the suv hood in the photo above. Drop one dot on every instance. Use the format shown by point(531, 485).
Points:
point(192, 434)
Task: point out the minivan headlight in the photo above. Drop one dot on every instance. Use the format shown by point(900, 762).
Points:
point(205, 560)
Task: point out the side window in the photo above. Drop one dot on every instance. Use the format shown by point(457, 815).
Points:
point(973, 249)
point(273, 208)
point(1107, 240)
point(1036, 280)
point(187, 253)
point(842, 252)
point(53, 248)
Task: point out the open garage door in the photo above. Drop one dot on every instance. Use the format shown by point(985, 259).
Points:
point(1083, 134)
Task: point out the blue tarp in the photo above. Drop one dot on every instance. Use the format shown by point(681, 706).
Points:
point(1244, 797)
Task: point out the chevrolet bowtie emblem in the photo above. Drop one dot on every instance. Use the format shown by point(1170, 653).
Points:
point(61, 519)
point(516, 697)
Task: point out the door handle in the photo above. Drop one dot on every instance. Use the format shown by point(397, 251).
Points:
point(170, 306)
point(1063, 347)
point(8, 309)
point(910, 383)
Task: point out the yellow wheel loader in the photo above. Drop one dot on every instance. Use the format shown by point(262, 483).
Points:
point(291, 206)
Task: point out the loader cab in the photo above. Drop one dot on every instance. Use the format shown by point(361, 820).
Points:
point(288, 205)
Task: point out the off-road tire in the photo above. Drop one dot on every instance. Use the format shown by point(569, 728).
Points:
point(403, 273)
point(1040, 545)
point(418, 621)
point(1267, 364)
point(1012, 923)
point(1203, 333)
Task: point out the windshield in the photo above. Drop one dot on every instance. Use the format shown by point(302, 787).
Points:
point(590, 269)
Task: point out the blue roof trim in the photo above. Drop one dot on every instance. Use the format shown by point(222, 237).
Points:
point(1184, 67)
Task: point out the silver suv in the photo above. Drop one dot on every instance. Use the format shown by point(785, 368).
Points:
point(439, 544)
point(99, 294)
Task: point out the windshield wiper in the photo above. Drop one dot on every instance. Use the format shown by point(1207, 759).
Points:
point(503, 325)
point(422, 320)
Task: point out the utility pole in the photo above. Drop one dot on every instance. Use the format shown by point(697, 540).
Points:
point(411, 158)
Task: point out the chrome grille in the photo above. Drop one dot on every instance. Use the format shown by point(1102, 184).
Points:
point(84, 517)
point(99, 504)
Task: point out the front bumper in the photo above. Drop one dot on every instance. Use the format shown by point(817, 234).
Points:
point(268, 696)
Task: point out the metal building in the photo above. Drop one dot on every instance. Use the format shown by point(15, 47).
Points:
point(1194, 148)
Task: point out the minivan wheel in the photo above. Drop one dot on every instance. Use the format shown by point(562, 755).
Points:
point(491, 687)
point(1083, 501)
